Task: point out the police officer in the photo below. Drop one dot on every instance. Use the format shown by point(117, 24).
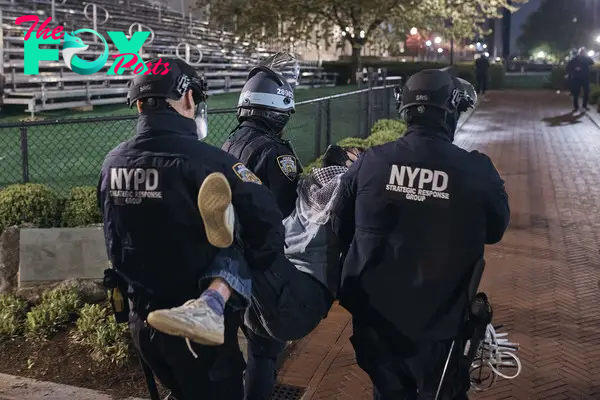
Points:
point(578, 71)
point(264, 109)
point(156, 239)
point(414, 216)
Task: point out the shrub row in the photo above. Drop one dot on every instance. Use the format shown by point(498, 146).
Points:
point(384, 130)
point(41, 206)
point(406, 69)
point(95, 327)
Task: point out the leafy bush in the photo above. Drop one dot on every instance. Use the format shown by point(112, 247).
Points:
point(81, 208)
point(384, 131)
point(388, 125)
point(29, 203)
point(381, 137)
point(97, 329)
point(54, 311)
point(12, 315)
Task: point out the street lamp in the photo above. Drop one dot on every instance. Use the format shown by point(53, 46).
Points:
point(438, 40)
point(440, 50)
point(428, 43)
point(485, 46)
point(591, 53)
point(414, 31)
point(598, 39)
point(541, 54)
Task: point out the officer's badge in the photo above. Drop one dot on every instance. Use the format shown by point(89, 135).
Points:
point(288, 166)
point(245, 174)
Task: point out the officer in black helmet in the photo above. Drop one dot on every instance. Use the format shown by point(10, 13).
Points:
point(414, 217)
point(264, 109)
point(161, 196)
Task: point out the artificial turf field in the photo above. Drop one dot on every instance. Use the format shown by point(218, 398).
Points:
point(65, 155)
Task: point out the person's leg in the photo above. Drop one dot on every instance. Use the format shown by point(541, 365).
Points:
point(427, 366)
point(261, 371)
point(141, 335)
point(383, 363)
point(478, 83)
point(484, 82)
point(287, 304)
point(209, 372)
point(226, 279)
point(586, 94)
point(576, 89)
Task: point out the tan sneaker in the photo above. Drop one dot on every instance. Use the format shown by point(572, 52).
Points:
point(194, 320)
point(214, 203)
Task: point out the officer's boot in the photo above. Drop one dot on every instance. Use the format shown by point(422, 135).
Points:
point(196, 319)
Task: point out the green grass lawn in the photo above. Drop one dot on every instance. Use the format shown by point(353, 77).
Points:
point(66, 155)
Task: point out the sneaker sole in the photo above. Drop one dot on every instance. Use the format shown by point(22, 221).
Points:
point(214, 198)
point(174, 327)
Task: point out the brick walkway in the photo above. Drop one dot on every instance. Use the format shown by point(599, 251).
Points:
point(543, 279)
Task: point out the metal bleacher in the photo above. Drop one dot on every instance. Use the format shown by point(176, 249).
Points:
point(223, 59)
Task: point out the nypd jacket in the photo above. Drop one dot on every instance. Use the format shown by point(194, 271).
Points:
point(271, 158)
point(148, 197)
point(414, 216)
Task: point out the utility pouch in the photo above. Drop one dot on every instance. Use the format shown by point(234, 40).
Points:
point(116, 288)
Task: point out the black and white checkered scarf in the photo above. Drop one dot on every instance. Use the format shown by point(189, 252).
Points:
point(317, 192)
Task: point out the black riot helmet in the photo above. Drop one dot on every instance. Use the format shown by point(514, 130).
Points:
point(172, 85)
point(268, 94)
point(435, 97)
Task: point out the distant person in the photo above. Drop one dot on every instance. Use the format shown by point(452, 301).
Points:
point(482, 66)
point(578, 73)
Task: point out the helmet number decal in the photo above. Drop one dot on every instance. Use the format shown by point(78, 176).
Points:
point(285, 92)
point(287, 164)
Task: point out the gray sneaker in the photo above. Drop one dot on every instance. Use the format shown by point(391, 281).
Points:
point(194, 320)
point(214, 204)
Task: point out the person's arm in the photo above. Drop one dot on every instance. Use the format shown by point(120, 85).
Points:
point(261, 230)
point(496, 204)
point(279, 170)
point(342, 215)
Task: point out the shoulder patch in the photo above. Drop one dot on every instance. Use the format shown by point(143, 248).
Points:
point(245, 174)
point(287, 164)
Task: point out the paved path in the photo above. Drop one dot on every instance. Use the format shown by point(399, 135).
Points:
point(543, 279)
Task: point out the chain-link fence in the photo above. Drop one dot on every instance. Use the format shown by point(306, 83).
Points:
point(69, 153)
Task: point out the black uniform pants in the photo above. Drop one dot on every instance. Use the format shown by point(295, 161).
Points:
point(217, 373)
point(577, 86)
point(286, 304)
point(403, 370)
point(481, 83)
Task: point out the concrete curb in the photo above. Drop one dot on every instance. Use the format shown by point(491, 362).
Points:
point(19, 388)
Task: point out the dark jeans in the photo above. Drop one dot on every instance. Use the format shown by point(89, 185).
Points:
point(401, 369)
point(215, 375)
point(576, 88)
point(481, 83)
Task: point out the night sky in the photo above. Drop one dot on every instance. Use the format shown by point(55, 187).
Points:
point(519, 18)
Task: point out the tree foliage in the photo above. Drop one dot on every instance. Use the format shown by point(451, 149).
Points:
point(557, 25)
point(357, 22)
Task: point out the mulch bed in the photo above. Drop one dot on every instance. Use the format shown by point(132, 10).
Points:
point(59, 360)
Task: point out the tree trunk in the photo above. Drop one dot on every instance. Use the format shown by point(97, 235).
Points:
point(356, 61)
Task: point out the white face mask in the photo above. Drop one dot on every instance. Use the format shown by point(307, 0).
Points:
point(201, 121)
